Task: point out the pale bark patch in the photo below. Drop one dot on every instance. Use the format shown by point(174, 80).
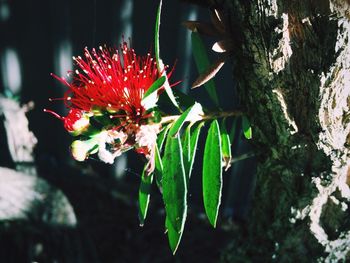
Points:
point(335, 92)
point(279, 56)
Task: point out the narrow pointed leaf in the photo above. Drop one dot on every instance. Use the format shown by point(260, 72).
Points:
point(212, 173)
point(194, 139)
point(159, 62)
point(191, 114)
point(168, 90)
point(179, 122)
point(209, 73)
point(144, 195)
point(154, 87)
point(161, 137)
point(190, 140)
point(183, 99)
point(186, 147)
point(203, 63)
point(156, 35)
point(247, 129)
point(158, 168)
point(225, 146)
point(174, 183)
point(174, 236)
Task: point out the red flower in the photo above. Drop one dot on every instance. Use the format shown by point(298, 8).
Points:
point(111, 80)
point(111, 83)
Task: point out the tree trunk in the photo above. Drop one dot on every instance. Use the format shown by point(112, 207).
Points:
point(292, 66)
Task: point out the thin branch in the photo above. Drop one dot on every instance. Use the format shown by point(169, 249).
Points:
point(243, 157)
point(210, 116)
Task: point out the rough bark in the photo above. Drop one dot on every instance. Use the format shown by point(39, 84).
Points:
point(292, 68)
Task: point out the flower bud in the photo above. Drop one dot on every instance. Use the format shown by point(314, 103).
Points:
point(76, 122)
point(81, 149)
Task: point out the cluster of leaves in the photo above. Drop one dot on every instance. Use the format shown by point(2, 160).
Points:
point(175, 152)
point(113, 109)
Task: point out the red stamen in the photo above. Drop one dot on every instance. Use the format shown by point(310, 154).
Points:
point(54, 114)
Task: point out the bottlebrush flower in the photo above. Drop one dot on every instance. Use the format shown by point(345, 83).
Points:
point(112, 80)
point(108, 89)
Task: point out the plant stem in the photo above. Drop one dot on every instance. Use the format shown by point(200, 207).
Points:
point(243, 157)
point(209, 116)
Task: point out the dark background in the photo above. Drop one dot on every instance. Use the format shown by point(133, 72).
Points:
point(40, 37)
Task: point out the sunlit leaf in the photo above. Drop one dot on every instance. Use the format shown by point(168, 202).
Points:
point(190, 140)
point(159, 62)
point(183, 99)
point(247, 129)
point(174, 184)
point(179, 122)
point(194, 139)
point(170, 93)
point(156, 35)
point(161, 137)
point(186, 148)
point(154, 87)
point(144, 195)
point(203, 63)
point(212, 173)
point(225, 145)
point(158, 168)
point(174, 236)
point(192, 114)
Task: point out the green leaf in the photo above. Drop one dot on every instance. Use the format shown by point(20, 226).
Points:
point(161, 137)
point(194, 139)
point(191, 114)
point(174, 183)
point(179, 122)
point(247, 129)
point(158, 167)
point(186, 144)
point(154, 87)
point(203, 63)
point(156, 35)
point(170, 93)
point(190, 140)
point(159, 62)
point(183, 99)
point(225, 145)
point(144, 195)
point(212, 173)
point(174, 237)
